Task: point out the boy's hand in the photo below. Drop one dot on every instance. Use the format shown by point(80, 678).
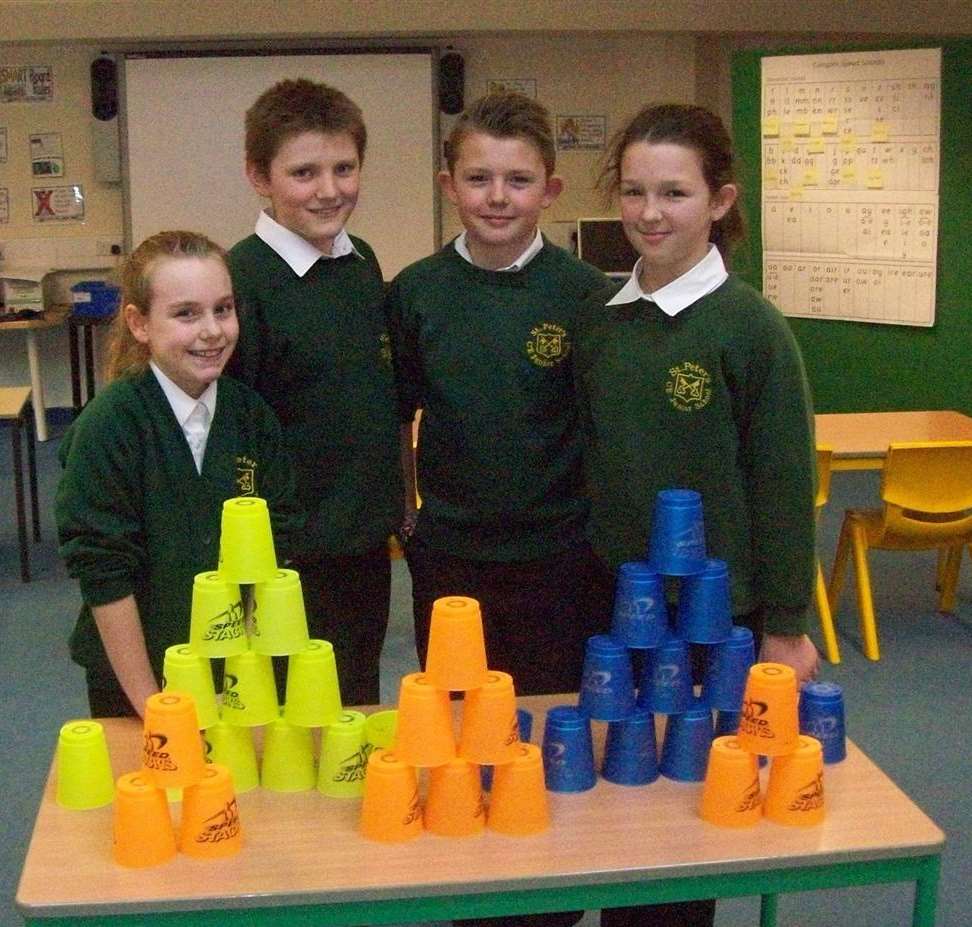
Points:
point(796, 650)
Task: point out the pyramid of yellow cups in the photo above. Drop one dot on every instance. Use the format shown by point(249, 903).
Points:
point(426, 738)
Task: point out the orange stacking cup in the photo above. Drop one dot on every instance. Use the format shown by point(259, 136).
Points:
point(424, 736)
point(770, 719)
point(172, 747)
point(518, 802)
point(142, 829)
point(490, 731)
point(795, 793)
point(730, 795)
point(456, 659)
point(390, 810)
point(455, 806)
point(210, 818)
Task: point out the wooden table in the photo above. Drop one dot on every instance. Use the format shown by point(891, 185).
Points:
point(15, 403)
point(50, 319)
point(860, 439)
point(303, 862)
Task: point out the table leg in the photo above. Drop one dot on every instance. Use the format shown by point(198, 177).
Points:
point(926, 893)
point(32, 474)
point(18, 465)
point(75, 355)
point(36, 385)
point(89, 371)
point(767, 910)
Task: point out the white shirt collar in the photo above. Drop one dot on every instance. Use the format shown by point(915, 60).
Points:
point(181, 402)
point(298, 252)
point(709, 274)
point(531, 252)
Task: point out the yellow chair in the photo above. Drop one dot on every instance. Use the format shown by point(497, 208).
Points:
point(926, 488)
point(824, 455)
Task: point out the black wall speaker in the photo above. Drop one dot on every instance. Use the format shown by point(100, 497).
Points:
point(451, 79)
point(104, 89)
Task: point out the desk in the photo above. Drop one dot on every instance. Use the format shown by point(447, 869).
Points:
point(860, 439)
point(50, 319)
point(304, 863)
point(14, 405)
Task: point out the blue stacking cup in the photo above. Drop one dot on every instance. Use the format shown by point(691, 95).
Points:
point(607, 690)
point(524, 721)
point(666, 678)
point(676, 546)
point(630, 754)
point(640, 617)
point(704, 613)
point(822, 716)
point(685, 752)
point(568, 751)
point(726, 671)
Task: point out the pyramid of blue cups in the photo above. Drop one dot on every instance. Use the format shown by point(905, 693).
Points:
point(664, 632)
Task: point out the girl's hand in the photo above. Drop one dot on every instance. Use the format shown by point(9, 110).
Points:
point(796, 650)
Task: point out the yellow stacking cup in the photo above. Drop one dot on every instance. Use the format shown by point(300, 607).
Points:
point(455, 806)
point(172, 747)
point(380, 729)
point(313, 691)
point(425, 735)
point(456, 659)
point(279, 620)
point(84, 777)
point(770, 718)
point(795, 792)
point(249, 690)
point(390, 811)
point(288, 758)
point(141, 827)
point(246, 553)
point(344, 757)
point(730, 795)
point(217, 626)
point(210, 827)
point(232, 746)
point(490, 731)
point(518, 800)
point(186, 671)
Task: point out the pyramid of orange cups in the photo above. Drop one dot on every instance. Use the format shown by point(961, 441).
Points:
point(426, 739)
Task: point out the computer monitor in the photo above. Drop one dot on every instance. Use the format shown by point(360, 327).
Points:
point(602, 242)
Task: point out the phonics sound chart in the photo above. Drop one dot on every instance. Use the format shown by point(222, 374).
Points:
point(850, 165)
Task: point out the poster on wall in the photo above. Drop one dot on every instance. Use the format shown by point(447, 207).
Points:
point(581, 133)
point(850, 164)
point(525, 85)
point(57, 204)
point(3, 145)
point(46, 154)
point(31, 84)
point(4, 206)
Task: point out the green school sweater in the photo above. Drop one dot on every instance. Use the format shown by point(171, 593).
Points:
point(316, 349)
point(715, 400)
point(134, 516)
point(485, 354)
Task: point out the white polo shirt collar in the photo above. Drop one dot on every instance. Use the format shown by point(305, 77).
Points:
point(298, 252)
point(531, 252)
point(708, 275)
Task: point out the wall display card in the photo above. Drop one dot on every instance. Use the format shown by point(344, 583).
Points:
point(581, 133)
point(525, 85)
point(32, 84)
point(3, 145)
point(4, 206)
point(55, 204)
point(850, 163)
point(46, 154)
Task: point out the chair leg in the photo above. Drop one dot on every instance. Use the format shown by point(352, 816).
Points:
point(865, 601)
point(826, 618)
point(950, 577)
point(838, 572)
point(940, 568)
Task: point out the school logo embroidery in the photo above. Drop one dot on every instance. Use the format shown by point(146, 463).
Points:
point(689, 387)
point(246, 475)
point(384, 347)
point(548, 344)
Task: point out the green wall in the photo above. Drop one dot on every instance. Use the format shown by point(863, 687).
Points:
point(854, 366)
